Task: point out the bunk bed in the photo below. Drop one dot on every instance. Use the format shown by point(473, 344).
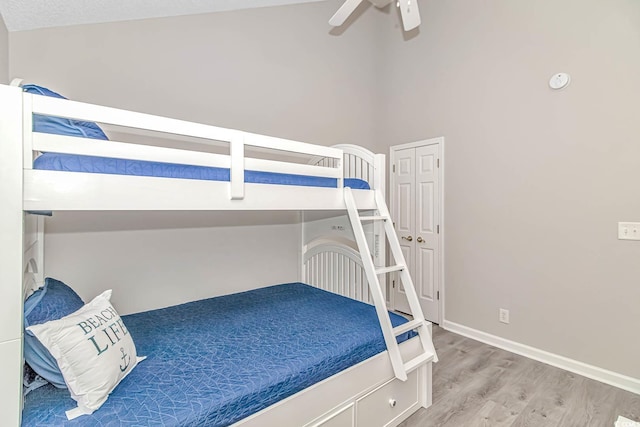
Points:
point(370, 368)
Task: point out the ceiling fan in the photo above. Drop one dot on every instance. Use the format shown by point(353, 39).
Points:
point(408, 10)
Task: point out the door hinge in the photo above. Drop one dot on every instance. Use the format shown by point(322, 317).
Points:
point(438, 162)
point(438, 295)
point(438, 228)
point(393, 284)
point(394, 168)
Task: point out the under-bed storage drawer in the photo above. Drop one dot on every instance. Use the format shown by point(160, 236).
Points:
point(341, 418)
point(384, 405)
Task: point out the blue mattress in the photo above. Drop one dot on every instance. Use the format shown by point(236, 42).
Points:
point(91, 164)
point(213, 362)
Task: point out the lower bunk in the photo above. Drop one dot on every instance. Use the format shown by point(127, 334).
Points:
point(285, 355)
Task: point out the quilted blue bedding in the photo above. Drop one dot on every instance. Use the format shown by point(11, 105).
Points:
point(215, 361)
point(90, 164)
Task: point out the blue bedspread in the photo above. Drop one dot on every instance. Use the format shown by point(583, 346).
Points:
point(216, 361)
point(91, 164)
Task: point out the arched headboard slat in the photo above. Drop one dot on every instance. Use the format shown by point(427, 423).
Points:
point(358, 162)
point(336, 267)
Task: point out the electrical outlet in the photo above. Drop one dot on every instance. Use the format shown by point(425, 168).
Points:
point(629, 230)
point(503, 316)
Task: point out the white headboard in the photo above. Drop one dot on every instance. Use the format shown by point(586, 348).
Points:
point(332, 262)
point(334, 265)
point(33, 257)
point(358, 162)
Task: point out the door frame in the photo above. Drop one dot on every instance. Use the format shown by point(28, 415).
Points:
point(392, 179)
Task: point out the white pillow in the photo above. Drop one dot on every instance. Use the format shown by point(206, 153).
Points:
point(94, 351)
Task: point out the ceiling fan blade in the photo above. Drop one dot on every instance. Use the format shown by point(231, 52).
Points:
point(343, 13)
point(410, 14)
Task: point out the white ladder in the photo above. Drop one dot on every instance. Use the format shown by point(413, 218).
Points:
point(400, 367)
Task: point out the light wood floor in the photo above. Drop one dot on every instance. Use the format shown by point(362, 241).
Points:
point(475, 384)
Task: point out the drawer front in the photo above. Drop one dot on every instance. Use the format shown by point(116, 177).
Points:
point(385, 404)
point(341, 418)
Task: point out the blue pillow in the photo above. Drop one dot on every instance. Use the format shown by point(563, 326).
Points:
point(51, 302)
point(59, 125)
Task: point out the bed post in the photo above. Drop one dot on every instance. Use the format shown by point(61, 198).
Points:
point(379, 167)
point(380, 245)
point(11, 251)
point(302, 277)
point(236, 171)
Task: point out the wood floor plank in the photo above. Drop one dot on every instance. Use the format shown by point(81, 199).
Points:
point(481, 418)
point(547, 407)
point(627, 404)
point(481, 377)
point(477, 385)
point(457, 375)
point(513, 398)
point(450, 372)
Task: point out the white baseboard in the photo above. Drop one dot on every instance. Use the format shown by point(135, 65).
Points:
point(608, 377)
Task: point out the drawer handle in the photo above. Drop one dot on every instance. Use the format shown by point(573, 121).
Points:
point(392, 402)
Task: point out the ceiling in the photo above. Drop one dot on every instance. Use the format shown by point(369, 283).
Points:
point(21, 15)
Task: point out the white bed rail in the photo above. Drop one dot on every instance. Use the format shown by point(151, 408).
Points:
point(207, 134)
point(334, 265)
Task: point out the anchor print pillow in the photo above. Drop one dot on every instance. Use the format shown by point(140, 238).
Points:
point(94, 351)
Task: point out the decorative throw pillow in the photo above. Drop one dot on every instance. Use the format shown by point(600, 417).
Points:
point(51, 302)
point(93, 349)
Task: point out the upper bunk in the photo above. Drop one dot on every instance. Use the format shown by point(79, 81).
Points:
point(245, 165)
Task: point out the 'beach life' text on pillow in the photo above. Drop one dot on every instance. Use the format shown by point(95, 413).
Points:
point(105, 330)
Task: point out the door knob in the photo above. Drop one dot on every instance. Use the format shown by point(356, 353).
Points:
point(420, 239)
point(408, 239)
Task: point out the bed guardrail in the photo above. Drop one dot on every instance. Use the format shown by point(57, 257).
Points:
point(206, 134)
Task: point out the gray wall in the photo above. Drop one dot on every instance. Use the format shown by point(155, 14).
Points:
point(4, 53)
point(276, 71)
point(156, 259)
point(273, 70)
point(536, 180)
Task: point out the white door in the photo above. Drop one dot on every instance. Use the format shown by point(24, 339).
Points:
point(416, 199)
point(403, 212)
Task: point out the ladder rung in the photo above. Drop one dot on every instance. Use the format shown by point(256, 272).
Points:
point(390, 269)
point(419, 360)
point(405, 327)
point(374, 218)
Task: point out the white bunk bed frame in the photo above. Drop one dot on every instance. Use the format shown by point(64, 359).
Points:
point(368, 394)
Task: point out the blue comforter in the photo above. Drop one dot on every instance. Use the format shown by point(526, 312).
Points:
point(91, 164)
point(216, 361)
